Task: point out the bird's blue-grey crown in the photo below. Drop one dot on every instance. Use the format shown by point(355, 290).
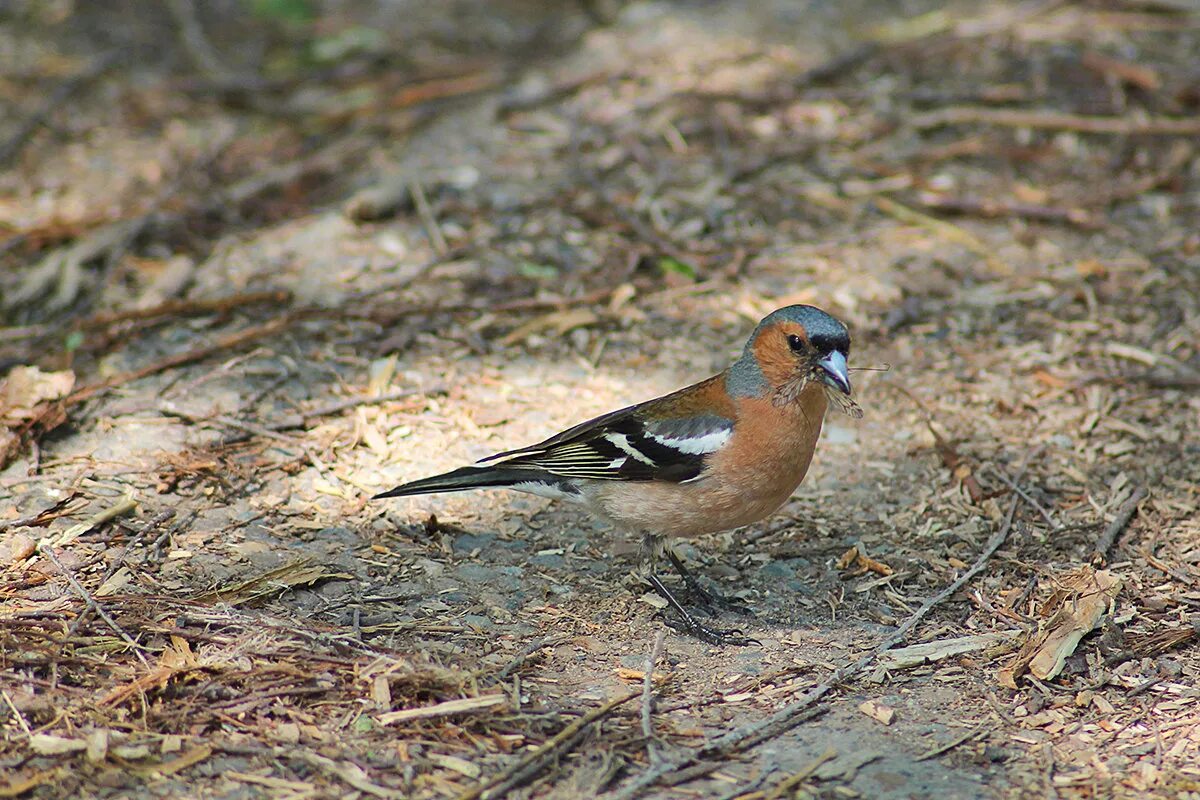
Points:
point(827, 334)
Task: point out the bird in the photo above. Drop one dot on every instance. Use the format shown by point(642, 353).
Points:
point(714, 456)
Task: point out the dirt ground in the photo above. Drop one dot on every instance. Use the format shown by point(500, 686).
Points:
point(261, 260)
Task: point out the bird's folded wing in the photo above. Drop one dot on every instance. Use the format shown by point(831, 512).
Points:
point(627, 445)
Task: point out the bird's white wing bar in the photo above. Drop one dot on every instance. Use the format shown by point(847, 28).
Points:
point(697, 445)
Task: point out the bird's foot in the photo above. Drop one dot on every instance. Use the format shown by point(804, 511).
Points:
point(689, 624)
point(717, 636)
point(709, 599)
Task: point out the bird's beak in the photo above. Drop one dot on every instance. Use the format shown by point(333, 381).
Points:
point(836, 374)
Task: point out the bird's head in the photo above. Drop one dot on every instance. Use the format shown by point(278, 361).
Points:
point(798, 346)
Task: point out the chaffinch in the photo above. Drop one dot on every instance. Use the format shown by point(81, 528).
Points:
point(717, 455)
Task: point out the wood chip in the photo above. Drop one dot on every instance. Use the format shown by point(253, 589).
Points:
point(878, 711)
point(466, 705)
point(1075, 610)
point(45, 744)
point(931, 652)
point(459, 765)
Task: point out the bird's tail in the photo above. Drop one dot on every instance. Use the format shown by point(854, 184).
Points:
point(461, 479)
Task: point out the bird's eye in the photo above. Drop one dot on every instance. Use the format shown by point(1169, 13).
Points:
point(796, 343)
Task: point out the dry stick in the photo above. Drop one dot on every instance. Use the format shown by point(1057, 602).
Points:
point(91, 601)
point(348, 771)
point(953, 743)
point(1028, 499)
point(12, 146)
point(950, 457)
point(981, 207)
point(648, 697)
point(1057, 120)
point(1124, 515)
point(222, 344)
point(428, 219)
point(342, 405)
point(195, 43)
point(520, 658)
point(533, 763)
point(43, 517)
point(20, 718)
point(177, 308)
point(784, 788)
point(794, 713)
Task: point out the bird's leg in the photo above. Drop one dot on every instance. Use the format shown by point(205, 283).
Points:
point(709, 598)
point(651, 547)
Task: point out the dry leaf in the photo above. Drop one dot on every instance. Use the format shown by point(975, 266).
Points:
point(116, 582)
point(26, 387)
point(1078, 617)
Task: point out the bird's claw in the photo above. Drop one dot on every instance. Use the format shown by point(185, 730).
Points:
point(718, 636)
point(711, 600)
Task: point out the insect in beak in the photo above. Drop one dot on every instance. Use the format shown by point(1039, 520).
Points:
point(836, 374)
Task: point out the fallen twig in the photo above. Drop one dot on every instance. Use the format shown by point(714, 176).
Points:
point(530, 765)
point(930, 652)
point(195, 43)
point(54, 101)
point(982, 207)
point(785, 787)
point(123, 506)
point(951, 459)
point(953, 743)
point(450, 708)
point(648, 696)
point(190, 308)
point(1028, 499)
point(428, 219)
point(1128, 125)
point(90, 601)
point(43, 517)
point(520, 658)
point(351, 773)
point(1110, 534)
point(221, 345)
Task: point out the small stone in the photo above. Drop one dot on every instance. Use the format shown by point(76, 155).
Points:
point(16, 548)
point(470, 542)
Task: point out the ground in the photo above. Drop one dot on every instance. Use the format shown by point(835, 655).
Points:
point(263, 260)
